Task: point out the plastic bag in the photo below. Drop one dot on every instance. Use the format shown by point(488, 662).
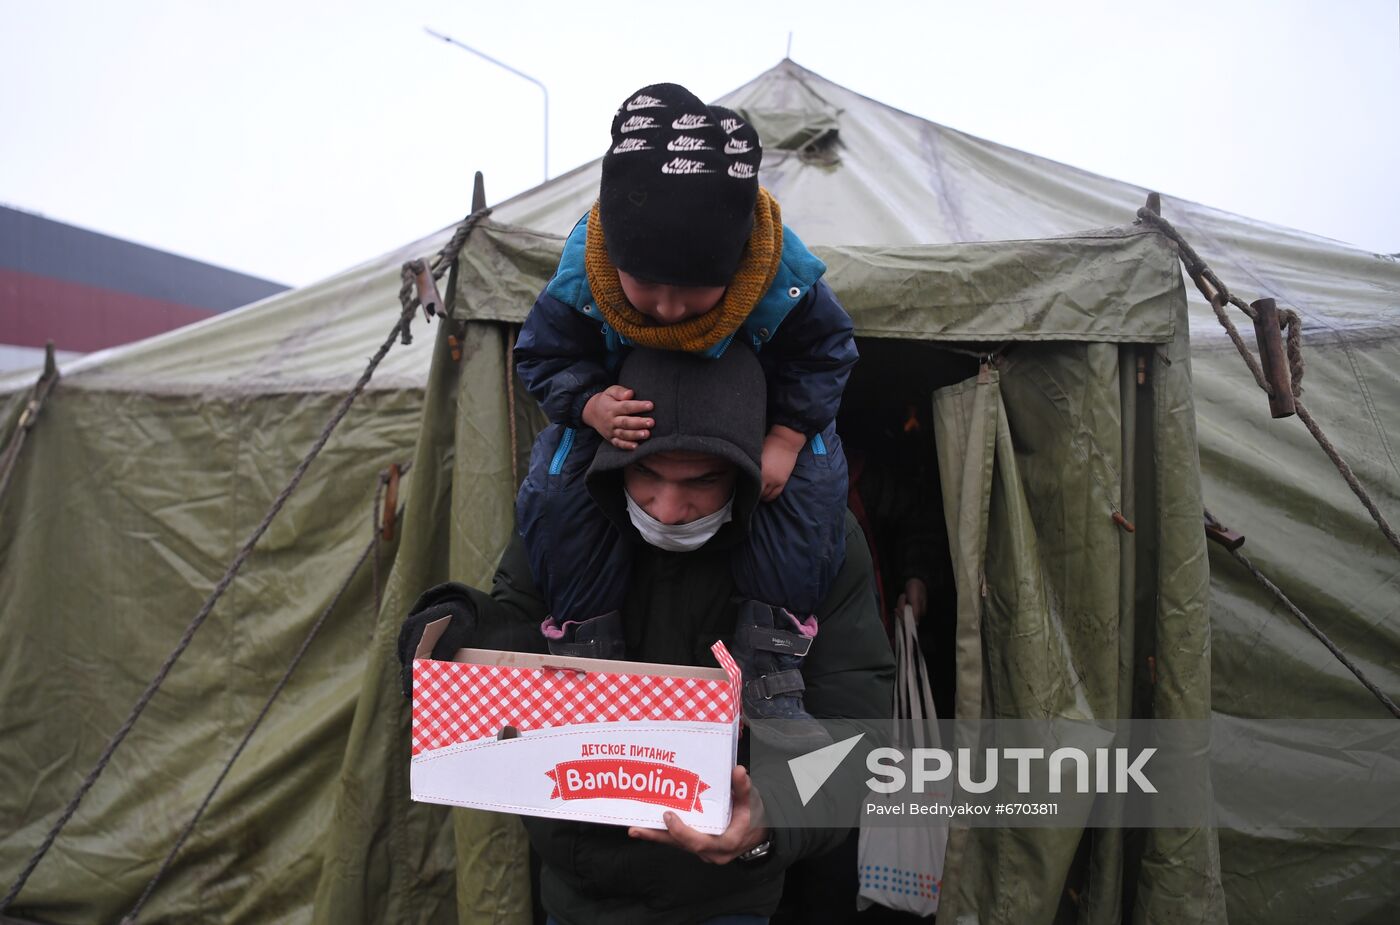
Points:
point(901, 867)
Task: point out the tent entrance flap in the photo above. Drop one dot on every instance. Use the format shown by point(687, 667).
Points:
point(1058, 604)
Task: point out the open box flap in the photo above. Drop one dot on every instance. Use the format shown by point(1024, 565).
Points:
point(731, 668)
point(431, 634)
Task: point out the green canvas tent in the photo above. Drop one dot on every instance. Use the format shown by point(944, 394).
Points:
point(149, 465)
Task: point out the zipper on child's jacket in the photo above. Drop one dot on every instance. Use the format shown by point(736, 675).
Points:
point(566, 443)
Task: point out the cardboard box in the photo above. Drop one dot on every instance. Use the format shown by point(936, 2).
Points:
point(593, 740)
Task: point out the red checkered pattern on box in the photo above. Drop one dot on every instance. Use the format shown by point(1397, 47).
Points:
point(455, 702)
point(731, 668)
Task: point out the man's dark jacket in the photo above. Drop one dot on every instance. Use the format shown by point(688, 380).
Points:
point(678, 605)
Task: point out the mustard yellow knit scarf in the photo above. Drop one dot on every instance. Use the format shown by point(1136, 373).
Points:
point(757, 269)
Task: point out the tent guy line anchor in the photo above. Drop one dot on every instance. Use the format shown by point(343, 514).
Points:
point(447, 255)
point(413, 273)
point(428, 295)
point(1274, 379)
point(1279, 384)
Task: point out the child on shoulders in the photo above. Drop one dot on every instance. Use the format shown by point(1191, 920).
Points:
point(685, 251)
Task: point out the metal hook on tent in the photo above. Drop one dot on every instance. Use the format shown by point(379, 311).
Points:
point(988, 361)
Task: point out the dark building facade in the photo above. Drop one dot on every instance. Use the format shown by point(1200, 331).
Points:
point(86, 291)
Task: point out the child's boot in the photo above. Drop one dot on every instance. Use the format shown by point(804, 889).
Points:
point(769, 645)
point(600, 637)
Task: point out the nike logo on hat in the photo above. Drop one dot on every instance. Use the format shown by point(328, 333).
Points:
point(690, 121)
point(688, 143)
point(684, 165)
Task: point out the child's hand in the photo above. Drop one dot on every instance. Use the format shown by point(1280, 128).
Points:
point(612, 414)
point(780, 449)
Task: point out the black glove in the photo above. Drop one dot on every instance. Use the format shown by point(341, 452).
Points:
point(445, 600)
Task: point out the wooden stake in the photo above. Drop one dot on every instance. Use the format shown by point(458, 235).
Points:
point(1219, 533)
point(1272, 357)
point(428, 295)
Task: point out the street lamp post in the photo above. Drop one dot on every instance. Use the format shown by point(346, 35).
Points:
point(518, 73)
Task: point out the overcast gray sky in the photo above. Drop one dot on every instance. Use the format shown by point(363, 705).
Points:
point(293, 139)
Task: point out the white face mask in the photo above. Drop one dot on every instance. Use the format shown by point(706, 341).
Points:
point(678, 537)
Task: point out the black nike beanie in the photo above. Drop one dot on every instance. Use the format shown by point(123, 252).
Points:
point(680, 180)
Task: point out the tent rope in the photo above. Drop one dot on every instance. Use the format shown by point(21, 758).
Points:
point(373, 546)
point(1308, 624)
point(28, 417)
point(1219, 295)
point(407, 304)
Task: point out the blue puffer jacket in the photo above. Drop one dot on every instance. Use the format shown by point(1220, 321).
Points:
point(805, 341)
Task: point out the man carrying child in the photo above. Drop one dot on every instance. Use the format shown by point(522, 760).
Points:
point(691, 487)
point(697, 461)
